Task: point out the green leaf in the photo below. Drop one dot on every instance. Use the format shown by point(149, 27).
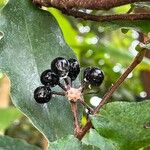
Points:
point(3, 3)
point(145, 5)
point(32, 39)
point(8, 143)
point(89, 147)
point(1, 35)
point(136, 25)
point(1, 75)
point(66, 143)
point(8, 115)
point(122, 9)
point(125, 124)
point(94, 139)
point(69, 32)
point(147, 46)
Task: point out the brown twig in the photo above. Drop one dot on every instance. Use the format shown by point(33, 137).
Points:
point(75, 117)
point(85, 16)
point(66, 7)
point(113, 88)
point(88, 4)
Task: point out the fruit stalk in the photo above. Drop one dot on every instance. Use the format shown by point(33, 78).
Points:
point(75, 118)
point(87, 106)
point(62, 86)
point(58, 93)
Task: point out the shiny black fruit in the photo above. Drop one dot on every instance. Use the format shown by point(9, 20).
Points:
point(49, 78)
point(42, 94)
point(93, 76)
point(60, 66)
point(74, 69)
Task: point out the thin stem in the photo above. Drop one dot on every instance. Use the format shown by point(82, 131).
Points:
point(85, 16)
point(58, 93)
point(68, 82)
point(62, 86)
point(86, 105)
point(112, 89)
point(75, 117)
point(82, 86)
point(95, 92)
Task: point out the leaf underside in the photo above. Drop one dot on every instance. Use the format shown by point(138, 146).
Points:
point(8, 143)
point(32, 39)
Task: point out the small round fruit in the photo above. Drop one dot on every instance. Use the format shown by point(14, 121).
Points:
point(94, 76)
point(49, 78)
point(42, 94)
point(86, 71)
point(74, 69)
point(60, 66)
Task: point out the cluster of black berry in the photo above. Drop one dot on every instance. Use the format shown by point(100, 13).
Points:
point(68, 70)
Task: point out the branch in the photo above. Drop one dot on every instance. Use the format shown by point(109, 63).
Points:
point(75, 118)
point(112, 89)
point(88, 4)
point(129, 17)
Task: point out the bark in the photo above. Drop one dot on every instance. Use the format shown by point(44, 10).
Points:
point(88, 4)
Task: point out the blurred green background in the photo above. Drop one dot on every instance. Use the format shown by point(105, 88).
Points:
point(95, 44)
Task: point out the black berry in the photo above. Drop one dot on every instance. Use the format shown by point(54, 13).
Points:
point(74, 69)
point(86, 71)
point(93, 76)
point(49, 78)
point(42, 94)
point(60, 66)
